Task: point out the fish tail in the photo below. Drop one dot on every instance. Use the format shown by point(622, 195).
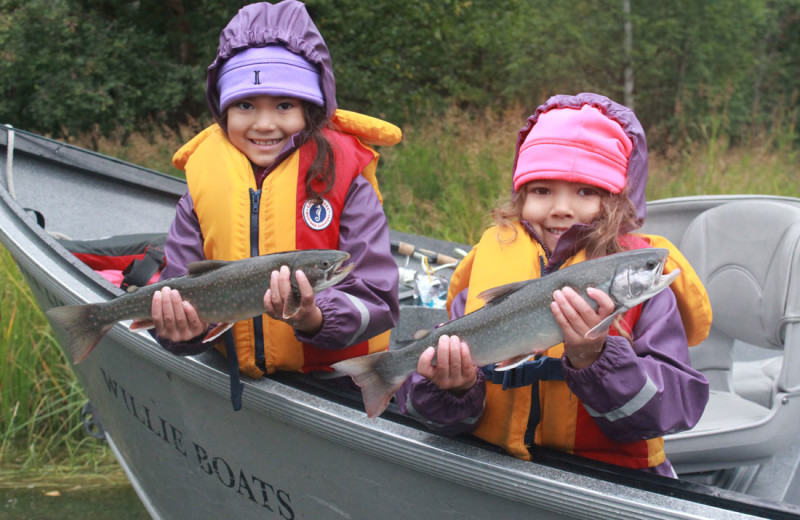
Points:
point(376, 388)
point(83, 333)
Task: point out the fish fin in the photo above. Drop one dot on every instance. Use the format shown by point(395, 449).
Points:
point(497, 294)
point(83, 335)
point(421, 333)
point(205, 266)
point(594, 332)
point(291, 305)
point(142, 324)
point(513, 363)
point(217, 331)
point(376, 390)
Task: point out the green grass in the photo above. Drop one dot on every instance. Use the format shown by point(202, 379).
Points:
point(442, 181)
point(41, 435)
point(445, 177)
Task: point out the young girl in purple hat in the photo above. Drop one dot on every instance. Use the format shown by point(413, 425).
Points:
point(283, 169)
point(578, 193)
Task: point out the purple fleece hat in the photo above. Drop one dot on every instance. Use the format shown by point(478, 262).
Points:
point(286, 23)
point(271, 70)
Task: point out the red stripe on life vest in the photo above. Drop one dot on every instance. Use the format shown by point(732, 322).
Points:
point(349, 166)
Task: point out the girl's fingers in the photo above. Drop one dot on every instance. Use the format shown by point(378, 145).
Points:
point(424, 364)
point(306, 291)
point(467, 368)
point(167, 313)
point(178, 314)
point(564, 313)
point(193, 322)
point(284, 282)
point(443, 357)
point(155, 310)
point(604, 301)
point(275, 290)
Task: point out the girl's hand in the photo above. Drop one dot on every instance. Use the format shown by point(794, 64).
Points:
point(576, 317)
point(175, 319)
point(454, 370)
point(308, 318)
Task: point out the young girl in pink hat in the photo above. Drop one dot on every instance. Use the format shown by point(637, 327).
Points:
point(282, 169)
point(578, 193)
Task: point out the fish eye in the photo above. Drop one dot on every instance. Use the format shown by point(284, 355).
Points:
point(652, 264)
point(325, 263)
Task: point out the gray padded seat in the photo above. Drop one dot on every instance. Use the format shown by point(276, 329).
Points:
point(747, 254)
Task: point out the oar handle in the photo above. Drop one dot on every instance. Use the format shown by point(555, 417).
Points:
point(406, 249)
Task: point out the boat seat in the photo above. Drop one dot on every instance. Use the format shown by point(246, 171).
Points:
point(755, 380)
point(747, 254)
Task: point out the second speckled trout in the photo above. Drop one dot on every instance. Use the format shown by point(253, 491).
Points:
point(221, 292)
point(516, 319)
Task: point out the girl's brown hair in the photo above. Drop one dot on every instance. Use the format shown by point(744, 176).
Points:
point(323, 167)
point(617, 217)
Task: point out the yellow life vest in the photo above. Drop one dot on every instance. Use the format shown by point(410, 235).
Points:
point(224, 193)
point(501, 258)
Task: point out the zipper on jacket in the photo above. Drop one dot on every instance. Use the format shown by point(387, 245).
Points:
point(258, 325)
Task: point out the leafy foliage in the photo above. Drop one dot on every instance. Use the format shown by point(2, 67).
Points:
point(701, 68)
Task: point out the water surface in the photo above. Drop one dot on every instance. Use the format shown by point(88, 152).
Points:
point(117, 503)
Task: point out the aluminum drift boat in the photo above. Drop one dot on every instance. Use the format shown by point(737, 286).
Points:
point(300, 450)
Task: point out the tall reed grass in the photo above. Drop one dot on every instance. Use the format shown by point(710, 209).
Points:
point(441, 181)
point(41, 435)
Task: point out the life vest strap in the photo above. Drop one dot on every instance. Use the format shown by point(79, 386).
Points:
point(545, 368)
point(237, 387)
point(139, 272)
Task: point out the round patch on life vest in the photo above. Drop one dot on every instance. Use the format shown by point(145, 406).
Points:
point(317, 216)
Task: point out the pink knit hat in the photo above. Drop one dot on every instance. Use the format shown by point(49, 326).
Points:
point(575, 145)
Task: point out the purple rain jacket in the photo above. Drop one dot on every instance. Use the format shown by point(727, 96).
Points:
point(366, 302)
point(660, 350)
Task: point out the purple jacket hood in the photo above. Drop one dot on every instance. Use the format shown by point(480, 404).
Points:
point(637, 163)
point(261, 24)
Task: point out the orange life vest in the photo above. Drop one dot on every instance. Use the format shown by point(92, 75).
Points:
point(564, 423)
point(225, 196)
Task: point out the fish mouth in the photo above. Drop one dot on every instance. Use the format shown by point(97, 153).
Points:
point(337, 270)
point(665, 279)
point(662, 281)
point(341, 270)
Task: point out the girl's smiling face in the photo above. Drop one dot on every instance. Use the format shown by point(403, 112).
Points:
point(553, 206)
point(260, 126)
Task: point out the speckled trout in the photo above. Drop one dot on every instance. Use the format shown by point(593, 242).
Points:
point(516, 320)
point(221, 292)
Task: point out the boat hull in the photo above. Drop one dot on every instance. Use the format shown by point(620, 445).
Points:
point(298, 449)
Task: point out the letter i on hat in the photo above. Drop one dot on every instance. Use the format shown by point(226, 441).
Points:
point(271, 70)
point(575, 145)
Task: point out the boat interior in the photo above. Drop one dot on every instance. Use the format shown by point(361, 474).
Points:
point(746, 249)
